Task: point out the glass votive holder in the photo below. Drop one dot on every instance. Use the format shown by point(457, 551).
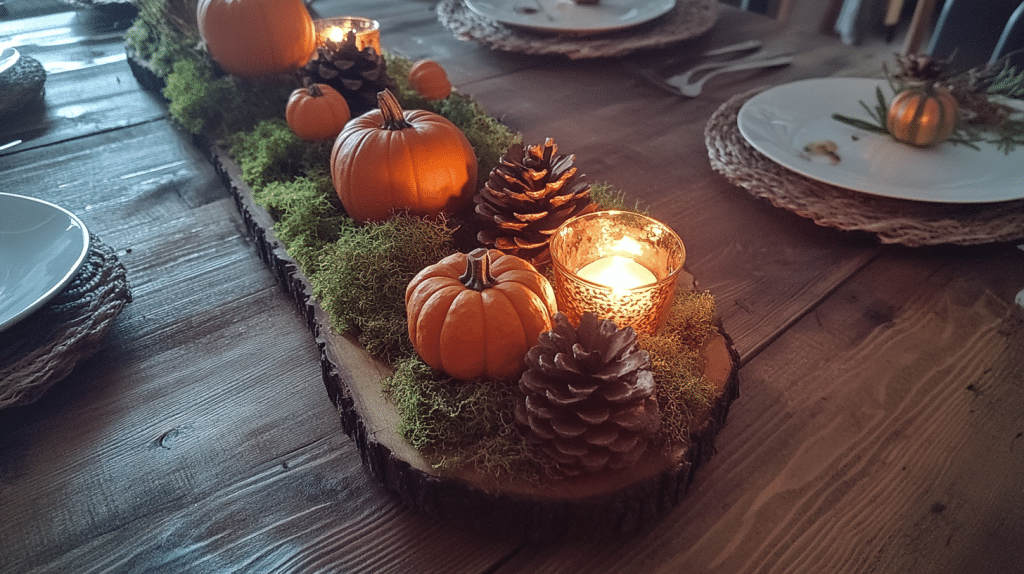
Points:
point(619, 265)
point(367, 31)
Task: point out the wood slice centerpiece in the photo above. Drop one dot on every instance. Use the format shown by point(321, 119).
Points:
point(597, 504)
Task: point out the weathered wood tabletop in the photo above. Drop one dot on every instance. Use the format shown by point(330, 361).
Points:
point(879, 427)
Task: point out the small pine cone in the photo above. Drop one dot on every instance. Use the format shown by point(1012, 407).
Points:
point(918, 69)
point(358, 75)
point(527, 197)
point(588, 397)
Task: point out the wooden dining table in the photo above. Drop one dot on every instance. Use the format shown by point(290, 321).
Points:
point(880, 422)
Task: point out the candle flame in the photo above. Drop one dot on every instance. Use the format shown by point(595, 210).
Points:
point(619, 273)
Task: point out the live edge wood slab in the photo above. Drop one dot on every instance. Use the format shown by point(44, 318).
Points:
point(606, 504)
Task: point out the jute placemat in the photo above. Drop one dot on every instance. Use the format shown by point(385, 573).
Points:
point(910, 223)
point(688, 19)
point(44, 347)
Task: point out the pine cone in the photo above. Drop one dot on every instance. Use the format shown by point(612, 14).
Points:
point(918, 69)
point(588, 397)
point(356, 74)
point(527, 197)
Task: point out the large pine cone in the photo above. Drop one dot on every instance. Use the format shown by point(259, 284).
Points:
point(358, 75)
point(527, 197)
point(588, 397)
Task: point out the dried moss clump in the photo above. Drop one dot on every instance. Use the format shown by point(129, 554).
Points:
point(684, 395)
point(456, 424)
point(271, 152)
point(361, 278)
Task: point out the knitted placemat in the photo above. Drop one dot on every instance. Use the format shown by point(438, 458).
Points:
point(44, 347)
point(21, 84)
point(688, 19)
point(911, 223)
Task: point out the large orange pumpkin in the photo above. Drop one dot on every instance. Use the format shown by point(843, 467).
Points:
point(317, 113)
point(475, 316)
point(256, 37)
point(922, 116)
point(387, 160)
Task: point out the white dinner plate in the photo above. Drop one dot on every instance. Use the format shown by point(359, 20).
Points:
point(566, 16)
point(41, 248)
point(781, 121)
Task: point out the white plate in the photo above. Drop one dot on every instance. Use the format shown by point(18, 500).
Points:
point(780, 121)
point(41, 247)
point(568, 17)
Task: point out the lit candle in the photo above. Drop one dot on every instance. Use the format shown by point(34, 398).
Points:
point(367, 31)
point(618, 272)
point(619, 265)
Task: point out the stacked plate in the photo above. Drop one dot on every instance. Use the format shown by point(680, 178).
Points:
point(782, 121)
point(571, 17)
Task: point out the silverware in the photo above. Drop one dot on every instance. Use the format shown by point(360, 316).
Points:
point(682, 85)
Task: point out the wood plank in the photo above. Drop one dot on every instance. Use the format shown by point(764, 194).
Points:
point(881, 434)
point(89, 88)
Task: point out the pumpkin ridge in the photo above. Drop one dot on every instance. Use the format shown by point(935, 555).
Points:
point(426, 334)
point(462, 330)
point(504, 342)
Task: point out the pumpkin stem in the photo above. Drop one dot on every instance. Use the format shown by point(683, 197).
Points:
point(394, 118)
point(478, 271)
point(314, 90)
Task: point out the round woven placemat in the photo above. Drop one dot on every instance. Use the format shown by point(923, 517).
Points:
point(22, 84)
point(911, 223)
point(44, 347)
point(688, 19)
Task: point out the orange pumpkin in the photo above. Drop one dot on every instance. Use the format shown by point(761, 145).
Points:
point(256, 37)
point(922, 116)
point(429, 79)
point(317, 113)
point(475, 316)
point(387, 160)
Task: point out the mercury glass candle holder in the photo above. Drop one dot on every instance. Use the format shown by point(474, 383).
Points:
point(335, 29)
point(643, 258)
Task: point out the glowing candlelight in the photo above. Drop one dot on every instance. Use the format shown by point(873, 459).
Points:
point(367, 31)
point(620, 265)
point(618, 272)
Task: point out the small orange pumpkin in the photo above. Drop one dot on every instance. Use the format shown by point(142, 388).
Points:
point(430, 80)
point(387, 160)
point(475, 316)
point(317, 113)
point(922, 116)
point(256, 37)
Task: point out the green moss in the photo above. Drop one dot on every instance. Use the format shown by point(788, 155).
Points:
point(271, 152)
point(360, 279)
point(684, 394)
point(456, 424)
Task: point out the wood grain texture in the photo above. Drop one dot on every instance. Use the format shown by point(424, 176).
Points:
point(880, 434)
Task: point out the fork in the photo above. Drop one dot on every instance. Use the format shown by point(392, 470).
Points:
point(681, 86)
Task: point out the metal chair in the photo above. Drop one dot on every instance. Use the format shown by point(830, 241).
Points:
point(971, 32)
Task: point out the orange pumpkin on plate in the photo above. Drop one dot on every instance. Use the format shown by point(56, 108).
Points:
point(922, 116)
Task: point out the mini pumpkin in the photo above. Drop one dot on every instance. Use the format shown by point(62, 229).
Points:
point(317, 113)
point(475, 316)
point(256, 37)
point(922, 116)
point(430, 80)
point(389, 160)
